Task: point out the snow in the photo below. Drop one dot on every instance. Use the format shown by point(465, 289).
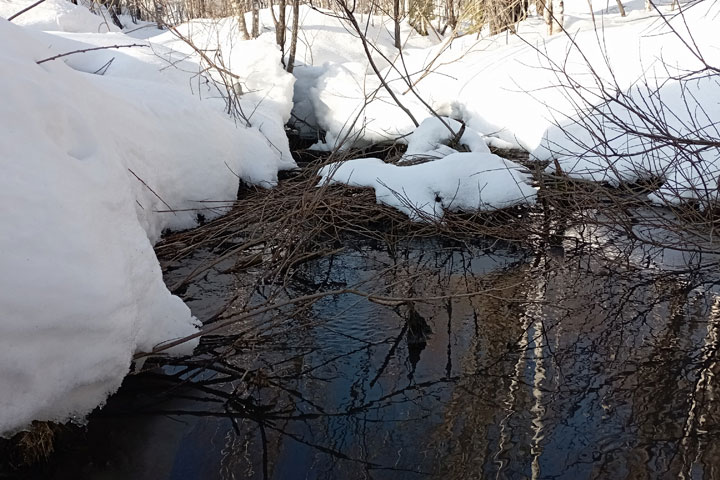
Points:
point(266, 88)
point(80, 286)
point(354, 109)
point(101, 152)
point(56, 16)
point(446, 180)
point(595, 143)
point(622, 157)
point(431, 139)
point(327, 39)
point(331, 62)
point(512, 89)
point(458, 182)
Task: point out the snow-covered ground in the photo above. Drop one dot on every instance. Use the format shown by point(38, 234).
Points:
point(326, 43)
point(100, 153)
point(513, 89)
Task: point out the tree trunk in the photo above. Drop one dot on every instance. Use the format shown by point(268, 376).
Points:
point(240, 14)
point(159, 15)
point(280, 25)
point(518, 11)
point(492, 12)
point(294, 35)
point(548, 15)
point(243, 26)
point(136, 11)
point(621, 8)
point(272, 13)
point(110, 7)
point(452, 18)
point(559, 17)
point(279, 21)
point(554, 16)
point(396, 19)
point(255, 18)
point(113, 15)
point(420, 13)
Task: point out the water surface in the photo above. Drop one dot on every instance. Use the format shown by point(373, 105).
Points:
point(564, 364)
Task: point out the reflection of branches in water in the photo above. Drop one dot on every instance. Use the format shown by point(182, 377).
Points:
point(209, 375)
point(605, 358)
point(568, 348)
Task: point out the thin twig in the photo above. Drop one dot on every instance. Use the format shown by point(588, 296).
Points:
point(84, 50)
point(29, 7)
point(153, 192)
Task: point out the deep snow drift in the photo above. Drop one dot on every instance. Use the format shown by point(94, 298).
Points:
point(100, 153)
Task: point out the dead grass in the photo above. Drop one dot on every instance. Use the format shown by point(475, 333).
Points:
point(34, 446)
point(300, 215)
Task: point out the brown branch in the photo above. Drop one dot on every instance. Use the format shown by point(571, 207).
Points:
point(29, 7)
point(351, 18)
point(199, 51)
point(84, 50)
point(153, 192)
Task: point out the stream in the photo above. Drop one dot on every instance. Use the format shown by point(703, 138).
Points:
point(567, 365)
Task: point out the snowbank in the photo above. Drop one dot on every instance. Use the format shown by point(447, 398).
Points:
point(354, 109)
point(265, 88)
point(500, 84)
point(433, 177)
point(327, 39)
point(330, 50)
point(100, 153)
point(595, 148)
point(457, 182)
point(508, 88)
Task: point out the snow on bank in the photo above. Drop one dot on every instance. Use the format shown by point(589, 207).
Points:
point(457, 182)
point(265, 89)
point(500, 84)
point(598, 147)
point(326, 39)
point(328, 47)
point(506, 87)
point(95, 167)
point(445, 180)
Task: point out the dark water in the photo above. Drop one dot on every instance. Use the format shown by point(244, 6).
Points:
point(568, 366)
